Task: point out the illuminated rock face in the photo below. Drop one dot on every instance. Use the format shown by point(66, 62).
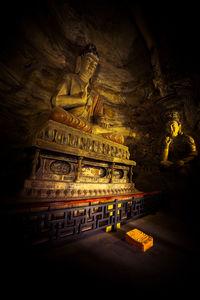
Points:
point(41, 48)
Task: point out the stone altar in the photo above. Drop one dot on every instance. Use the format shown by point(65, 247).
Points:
point(72, 164)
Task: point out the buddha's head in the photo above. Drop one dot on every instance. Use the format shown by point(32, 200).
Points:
point(173, 128)
point(87, 62)
point(174, 125)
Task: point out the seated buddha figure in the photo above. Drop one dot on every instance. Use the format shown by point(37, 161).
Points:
point(178, 149)
point(74, 105)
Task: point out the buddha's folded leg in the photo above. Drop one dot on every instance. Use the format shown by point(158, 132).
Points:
point(60, 115)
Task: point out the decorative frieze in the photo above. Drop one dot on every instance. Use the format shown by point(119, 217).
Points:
point(64, 139)
point(50, 191)
point(59, 177)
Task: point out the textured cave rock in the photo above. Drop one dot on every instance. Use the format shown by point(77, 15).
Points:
point(40, 45)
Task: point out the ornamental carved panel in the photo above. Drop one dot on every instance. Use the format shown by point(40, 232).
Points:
point(60, 167)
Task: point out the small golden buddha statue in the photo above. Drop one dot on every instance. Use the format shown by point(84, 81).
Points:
point(75, 106)
point(178, 148)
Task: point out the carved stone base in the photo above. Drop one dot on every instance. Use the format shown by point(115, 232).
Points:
point(67, 170)
point(48, 191)
point(58, 177)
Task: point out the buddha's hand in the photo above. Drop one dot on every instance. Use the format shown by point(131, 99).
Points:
point(168, 140)
point(89, 101)
point(103, 122)
point(84, 94)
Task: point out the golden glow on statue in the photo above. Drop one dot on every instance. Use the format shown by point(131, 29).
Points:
point(74, 106)
point(178, 148)
point(174, 128)
point(73, 93)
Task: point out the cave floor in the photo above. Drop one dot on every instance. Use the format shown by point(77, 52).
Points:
point(103, 259)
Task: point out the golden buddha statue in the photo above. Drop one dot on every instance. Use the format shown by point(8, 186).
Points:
point(76, 107)
point(72, 105)
point(178, 148)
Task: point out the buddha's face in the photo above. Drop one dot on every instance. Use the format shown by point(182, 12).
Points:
point(89, 63)
point(173, 128)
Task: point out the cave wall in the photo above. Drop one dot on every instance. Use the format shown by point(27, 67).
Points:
point(40, 45)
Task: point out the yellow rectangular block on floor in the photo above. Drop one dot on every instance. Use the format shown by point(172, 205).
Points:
point(109, 228)
point(139, 239)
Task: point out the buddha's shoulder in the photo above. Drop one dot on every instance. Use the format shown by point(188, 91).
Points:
point(188, 138)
